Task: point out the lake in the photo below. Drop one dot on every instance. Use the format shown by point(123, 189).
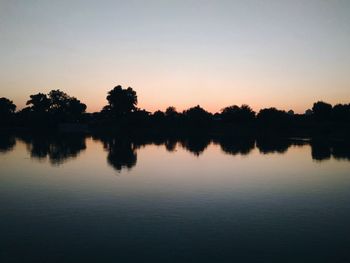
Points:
point(75, 198)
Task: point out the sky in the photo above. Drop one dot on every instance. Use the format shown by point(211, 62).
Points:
point(286, 54)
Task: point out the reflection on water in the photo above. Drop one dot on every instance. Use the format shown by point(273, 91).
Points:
point(233, 146)
point(7, 142)
point(185, 199)
point(57, 148)
point(323, 150)
point(273, 145)
point(195, 144)
point(122, 151)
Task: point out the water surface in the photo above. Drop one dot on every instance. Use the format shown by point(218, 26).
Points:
point(83, 199)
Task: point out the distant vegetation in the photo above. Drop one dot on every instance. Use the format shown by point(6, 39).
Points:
point(50, 111)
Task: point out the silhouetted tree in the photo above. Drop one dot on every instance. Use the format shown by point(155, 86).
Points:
point(7, 109)
point(273, 120)
point(121, 101)
point(49, 110)
point(322, 110)
point(64, 106)
point(171, 112)
point(39, 103)
point(75, 108)
point(158, 116)
point(197, 116)
point(6, 106)
point(341, 112)
point(237, 114)
point(58, 102)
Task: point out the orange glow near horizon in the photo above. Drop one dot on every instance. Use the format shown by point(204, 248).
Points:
point(285, 54)
point(211, 99)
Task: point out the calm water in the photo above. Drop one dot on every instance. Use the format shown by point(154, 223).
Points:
point(83, 199)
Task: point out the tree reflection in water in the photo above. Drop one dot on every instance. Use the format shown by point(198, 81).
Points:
point(7, 143)
point(122, 150)
point(272, 145)
point(195, 144)
point(57, 148)
point(234, 145)
point(323, 150)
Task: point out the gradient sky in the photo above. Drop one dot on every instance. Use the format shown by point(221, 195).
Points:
point(286, 54)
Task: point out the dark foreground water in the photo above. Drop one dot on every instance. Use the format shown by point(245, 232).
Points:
point(79, 199)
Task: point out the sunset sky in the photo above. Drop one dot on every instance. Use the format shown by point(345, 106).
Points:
point(286, 54)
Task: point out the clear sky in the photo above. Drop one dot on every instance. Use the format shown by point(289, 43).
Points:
point(279, 53)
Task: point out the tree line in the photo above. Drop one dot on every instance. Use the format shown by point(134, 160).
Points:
point(57, 107)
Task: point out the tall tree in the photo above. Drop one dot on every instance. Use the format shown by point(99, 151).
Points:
point(121, 101)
